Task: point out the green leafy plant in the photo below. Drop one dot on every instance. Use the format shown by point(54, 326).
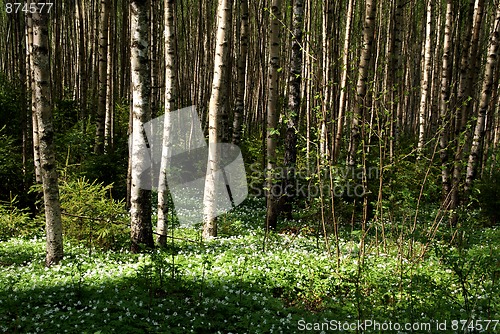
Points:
point(11, 167)
point(488, 197)
point(15, 222)
point(230, 284)
point(90, 213)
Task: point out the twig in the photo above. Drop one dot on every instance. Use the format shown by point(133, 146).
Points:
point(83, 217)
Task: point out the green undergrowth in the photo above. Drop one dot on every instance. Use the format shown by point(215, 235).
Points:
point(246, 282)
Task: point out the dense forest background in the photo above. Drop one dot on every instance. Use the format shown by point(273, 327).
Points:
point(370, 128)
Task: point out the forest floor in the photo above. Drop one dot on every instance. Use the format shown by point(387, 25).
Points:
point(245, 282)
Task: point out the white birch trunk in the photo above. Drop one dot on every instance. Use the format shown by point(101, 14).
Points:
point(484, 102)
point(272, 113)
point(445, 97)
point(217, 102)
point(343, 80)
point(364, 63)
point(41, 77)
point(325, 32)
point(140, 199)
point(170, 105)
point(102, 78)
point(109, 119)
point(34, 118)
point(424, 83)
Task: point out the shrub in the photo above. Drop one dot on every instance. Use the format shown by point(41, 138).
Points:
point(15, 222)
point(90, 214)
point(488, 197)
point(11, 173)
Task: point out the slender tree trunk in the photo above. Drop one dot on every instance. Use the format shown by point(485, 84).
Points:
point(41, 77)
point(140, 198)
point(239, 107)
point(398, 77)
point(308, 80)
point(484, 102)
point(445, 99)
point(170, 105)
point(23, 75)
point(433, 113)
point(82, 77)
point(32, 83)
point(424, 83)
point(326, 84)
point(223, 113)
point(55, 58)
point(489, 139)
point(125, 88)
point(102, 77)
point(343, 80)
point(473, 66)
point(217, 103)
point(272, 113)
point(294, 104)
point(110, 105)
point(459, 126)
point(364, 63)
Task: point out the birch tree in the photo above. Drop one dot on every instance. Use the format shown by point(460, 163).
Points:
point(343, 80)
point(326, 28)
point(445, 98)
point(473, 65)
point(41, 86)
point(424, 83)
point(461, 99)
point(140, 199)
point(294, 84)
point(468, 71)
point(102, 76)
point(170, 105)
point(484, 103)
point(239, 107)
point(32, 88)
point(217, 102)
point(396, 77)
point(109, 124)
point(272, 114)
point(364, 63)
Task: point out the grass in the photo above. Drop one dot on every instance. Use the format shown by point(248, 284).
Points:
point(234, 284)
